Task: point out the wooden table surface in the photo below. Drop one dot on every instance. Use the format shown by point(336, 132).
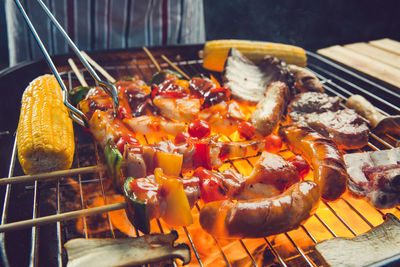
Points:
point(379, 59)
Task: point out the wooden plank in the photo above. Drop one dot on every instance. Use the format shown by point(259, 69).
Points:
point(376, 53)
point(387, 44)
point(363, 64)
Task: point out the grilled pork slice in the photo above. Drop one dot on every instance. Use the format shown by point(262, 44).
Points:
point(375, 175)
point(314, 102)
point(321, 113)
point(343, 126)
point(248, 81)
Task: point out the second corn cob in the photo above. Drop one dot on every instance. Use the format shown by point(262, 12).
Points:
point(45, 137)
point(215, 52)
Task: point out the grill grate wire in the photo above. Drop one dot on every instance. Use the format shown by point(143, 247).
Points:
point(300, 253)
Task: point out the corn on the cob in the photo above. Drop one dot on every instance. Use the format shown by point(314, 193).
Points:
point(215, 52)
point(45, 137)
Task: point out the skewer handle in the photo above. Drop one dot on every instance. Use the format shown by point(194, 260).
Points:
point(152, 58)
point(49, 175)
point(77, 73)
point(175, 67)
point(99, 68)
point(60, 217)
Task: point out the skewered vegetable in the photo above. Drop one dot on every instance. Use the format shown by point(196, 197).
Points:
point(216, 52)
point(45, 137)
point(156, 196)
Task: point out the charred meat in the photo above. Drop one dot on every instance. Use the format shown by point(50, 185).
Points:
point(345, 127)
point(321, 113)
point(314, 102)
point(248, 81)
point(376, 176)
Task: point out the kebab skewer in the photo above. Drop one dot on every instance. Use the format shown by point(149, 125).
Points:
point(118, 142)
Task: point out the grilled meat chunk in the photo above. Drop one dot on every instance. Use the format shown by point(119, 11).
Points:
point(345, 127)
point(375, 175)
point(201, 86)
point(248, 81)
point(321, 113)
point(313, 102)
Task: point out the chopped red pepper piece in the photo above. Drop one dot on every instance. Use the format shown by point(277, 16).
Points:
point(201, 156)
point(211, 188)
point(124, 113)
point(215, 96)
point(126, 140)
point(181, 138)
point(168, 89)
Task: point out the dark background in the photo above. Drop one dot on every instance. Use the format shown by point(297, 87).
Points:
point(307, 23)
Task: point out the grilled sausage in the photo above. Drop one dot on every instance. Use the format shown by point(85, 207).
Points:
point(305, 80)
point(261, 217)
point(322, 154)
point(270, 109)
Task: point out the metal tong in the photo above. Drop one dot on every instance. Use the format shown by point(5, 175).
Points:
point(74, 113)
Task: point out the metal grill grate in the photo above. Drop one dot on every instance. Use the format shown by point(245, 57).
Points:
point(348, 217)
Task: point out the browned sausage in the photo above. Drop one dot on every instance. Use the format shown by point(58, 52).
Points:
point(261, 217)
point(323, 155)
point(270, 109)
point(305, 80)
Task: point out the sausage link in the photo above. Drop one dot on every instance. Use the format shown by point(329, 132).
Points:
point(270, 109)
point(323, 155)
point(261, 217)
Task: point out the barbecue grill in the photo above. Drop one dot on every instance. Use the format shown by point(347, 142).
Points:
point(43, 245)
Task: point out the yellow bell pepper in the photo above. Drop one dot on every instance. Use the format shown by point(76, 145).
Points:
point(170, 163)
point(178, 210)
point(182, 83)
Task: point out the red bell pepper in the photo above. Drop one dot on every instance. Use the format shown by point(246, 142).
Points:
point(210, 186)
point(126, 140)
point(201, 156)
